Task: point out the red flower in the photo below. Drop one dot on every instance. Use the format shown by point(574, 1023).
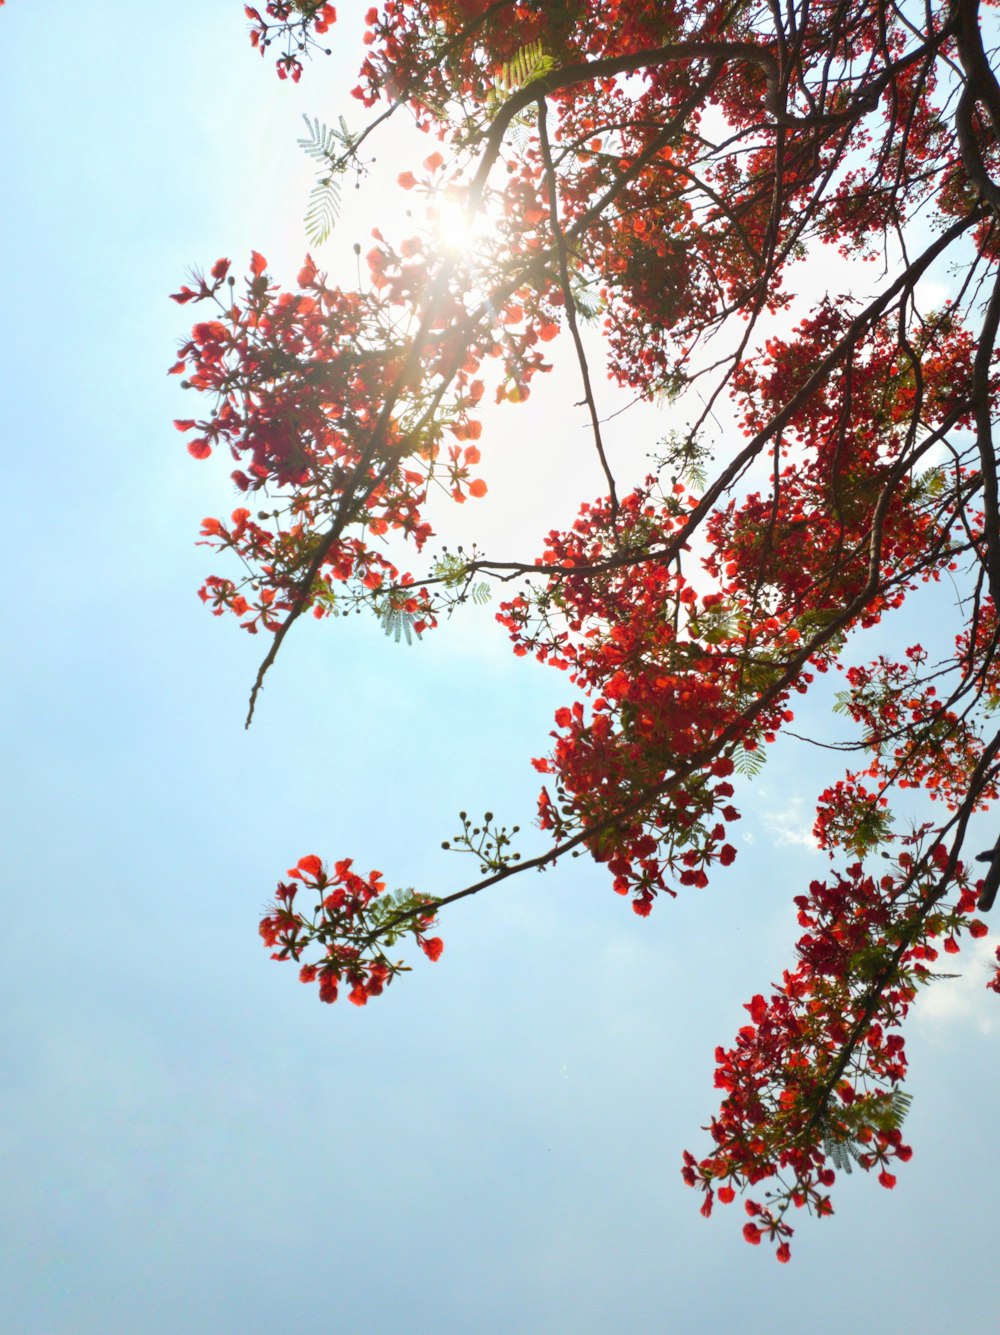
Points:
point(310, 867)
point(269, 931)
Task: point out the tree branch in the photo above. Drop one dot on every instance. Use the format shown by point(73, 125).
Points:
point(567, 290)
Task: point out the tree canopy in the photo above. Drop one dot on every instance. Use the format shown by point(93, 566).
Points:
point(654, 174)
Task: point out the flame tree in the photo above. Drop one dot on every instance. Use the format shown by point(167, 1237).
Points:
point(662, 166)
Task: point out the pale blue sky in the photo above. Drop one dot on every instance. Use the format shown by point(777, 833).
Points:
point(190, 1141)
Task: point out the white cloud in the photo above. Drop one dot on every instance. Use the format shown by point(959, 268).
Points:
point(792, 826)
point(964, 998)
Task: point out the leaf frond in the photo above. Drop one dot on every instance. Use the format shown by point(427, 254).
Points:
point(527, 64)
point(323, 211)
point(332, 147)
point(397, 623)
point(749, 762)
point(326, 143)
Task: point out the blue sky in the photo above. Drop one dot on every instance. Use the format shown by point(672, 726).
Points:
point(191, 1142)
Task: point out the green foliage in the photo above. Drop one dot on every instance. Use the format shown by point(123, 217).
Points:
point(842, 703)
point(520, 130)
point(453, 571)
point(684, 459)
point(931, 482)
point(842, 1130)
point(451, 568)
point(588, 303)
point(864, 827)
point(713, 624)
point(390, 917)
point(815, 620)
point(326, 144)
point(868, 963)
point(748, 762)
point(873, 828)
point(396, 621)
point(333, 148)
point(323, 211)
point(525, 66)
point(322, 595)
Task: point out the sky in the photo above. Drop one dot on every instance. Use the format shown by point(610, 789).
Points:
point(190, 1140)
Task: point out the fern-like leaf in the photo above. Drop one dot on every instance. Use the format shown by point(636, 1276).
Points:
point(588, 304)
point(396, 622)
point(842, 1154)
point(382, 913)
point(519, 133)
point(332, 147)
point(481, 593)
point(525, 65)
point(748, 763)
point(684, 458)
point(450, 568)
point(323, 210)
point(841, 1144)
point(325, 143)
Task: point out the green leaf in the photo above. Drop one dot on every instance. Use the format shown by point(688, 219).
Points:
point(325, 143)
point(323, 210)
point(450, 569)
point(397, 622)
point(392, 905)
point(525, 66)
point(589, 305)
point(748, 763)
point(685, 458)
point(333, 148)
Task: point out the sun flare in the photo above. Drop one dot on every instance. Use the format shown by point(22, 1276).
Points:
point(457, 233)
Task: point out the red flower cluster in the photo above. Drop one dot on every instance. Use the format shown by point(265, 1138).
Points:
point(347, 924)
point(302, 387)
point(630, 208)
point(994, 983)
point(917, 740)
point(646, 770)
point(812, 1080)
point(295, 23)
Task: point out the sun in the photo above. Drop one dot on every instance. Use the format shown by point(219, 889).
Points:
point(456, 232)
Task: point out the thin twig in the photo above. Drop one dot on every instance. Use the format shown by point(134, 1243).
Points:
point(570, 302)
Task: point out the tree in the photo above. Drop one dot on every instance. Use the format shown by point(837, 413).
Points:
point(660, 168)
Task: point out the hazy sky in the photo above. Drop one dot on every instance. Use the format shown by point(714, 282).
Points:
point(190, 1140)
